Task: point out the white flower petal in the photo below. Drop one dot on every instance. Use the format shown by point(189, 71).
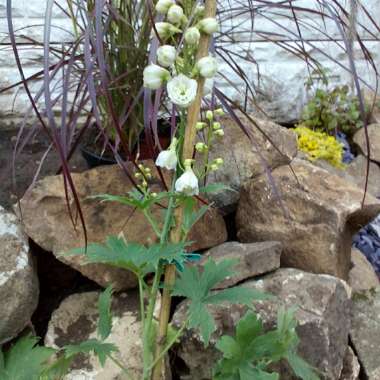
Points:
point(207, 66)
point(182, 90)
point(155, 76)
point(167, 159)
point(166, 55)
point(187, 183)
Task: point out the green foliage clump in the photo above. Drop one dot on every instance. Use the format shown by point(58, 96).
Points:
point(320, 146)
point(333, 110)
point(248, 355)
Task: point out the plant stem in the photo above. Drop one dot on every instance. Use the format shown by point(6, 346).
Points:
point(170, 344)
point(142, 309)
point(187, 153)
point(152, 223)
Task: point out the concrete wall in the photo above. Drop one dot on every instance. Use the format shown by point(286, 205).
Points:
point(281, 90)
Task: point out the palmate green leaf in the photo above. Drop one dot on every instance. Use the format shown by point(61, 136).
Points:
point(100, 349)
point(25, 360)
point(132, 256)
point(197, 285)
point(105, 316)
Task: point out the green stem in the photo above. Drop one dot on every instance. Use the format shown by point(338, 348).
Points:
point(141, 293)
point(169, 345)
point(152, 223)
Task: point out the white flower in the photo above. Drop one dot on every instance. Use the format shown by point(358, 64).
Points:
point(165, 29)
point(166, 55)
point(208, 86)
point(155, 76)
point(207, 66)
point(163, 6)
point(175, 14)
point(168, 158)
point(182, 90)
point(188, 182)
point(209, 25)
point(192, 36)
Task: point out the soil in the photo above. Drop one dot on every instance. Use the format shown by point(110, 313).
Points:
point(26, 165)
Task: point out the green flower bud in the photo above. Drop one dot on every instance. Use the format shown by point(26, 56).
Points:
point(209, 115)
point(219, 133)
point(219, 112)
point(199, 126)
point(216, 126)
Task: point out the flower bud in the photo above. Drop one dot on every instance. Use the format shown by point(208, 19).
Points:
point(219, 112)
point(166, 30)
point(216, 126)
point(175, 14)
point(192, 36)
point(214, 167)
point(200, 147)
point(207, 66)
point(154, 195)
point(219, 161)
point(166, 55)
point(209, 25)
point(155, 76)
point(199, 10)
point(200, 126)
point(209, 115)
point(219, 133)
point(163, 6)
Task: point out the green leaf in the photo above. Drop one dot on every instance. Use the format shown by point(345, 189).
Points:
point(300, 367)
point(196, 287)
point(228, 346)
point(105, 316)
point(25, 360)
point(100, 349)
point(247, 372)
point(131, 256)
point(248, 328)
point(191, 217)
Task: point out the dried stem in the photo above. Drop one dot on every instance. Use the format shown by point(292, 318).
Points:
point(187, 153)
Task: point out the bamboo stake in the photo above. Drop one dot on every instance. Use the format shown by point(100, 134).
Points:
point(175, 236)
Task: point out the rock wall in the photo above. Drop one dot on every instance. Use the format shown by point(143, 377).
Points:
point(280, 90)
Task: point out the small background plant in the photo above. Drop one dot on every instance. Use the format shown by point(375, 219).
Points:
point(331, 110)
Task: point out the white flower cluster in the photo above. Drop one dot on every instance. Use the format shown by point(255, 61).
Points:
point(178, 69)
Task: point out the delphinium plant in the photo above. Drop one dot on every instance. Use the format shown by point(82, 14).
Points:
point(184, 64)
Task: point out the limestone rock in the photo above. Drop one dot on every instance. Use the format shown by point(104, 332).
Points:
point(354, 172)
point(357, 170)
point(47, 222)
point(252, 259)
point(76, 320)
point(323, 322)
point(362, 277)
point(374, 141)
point(244, 159)
point(18, 278)
point(315, 218)
point(365, 333)
point(351, 366)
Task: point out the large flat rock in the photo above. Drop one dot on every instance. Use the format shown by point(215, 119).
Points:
point(322, 303)
point(47, 221)
point(312, 212)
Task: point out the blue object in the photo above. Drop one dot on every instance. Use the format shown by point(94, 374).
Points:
point(367, 240)
point(348, 157)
